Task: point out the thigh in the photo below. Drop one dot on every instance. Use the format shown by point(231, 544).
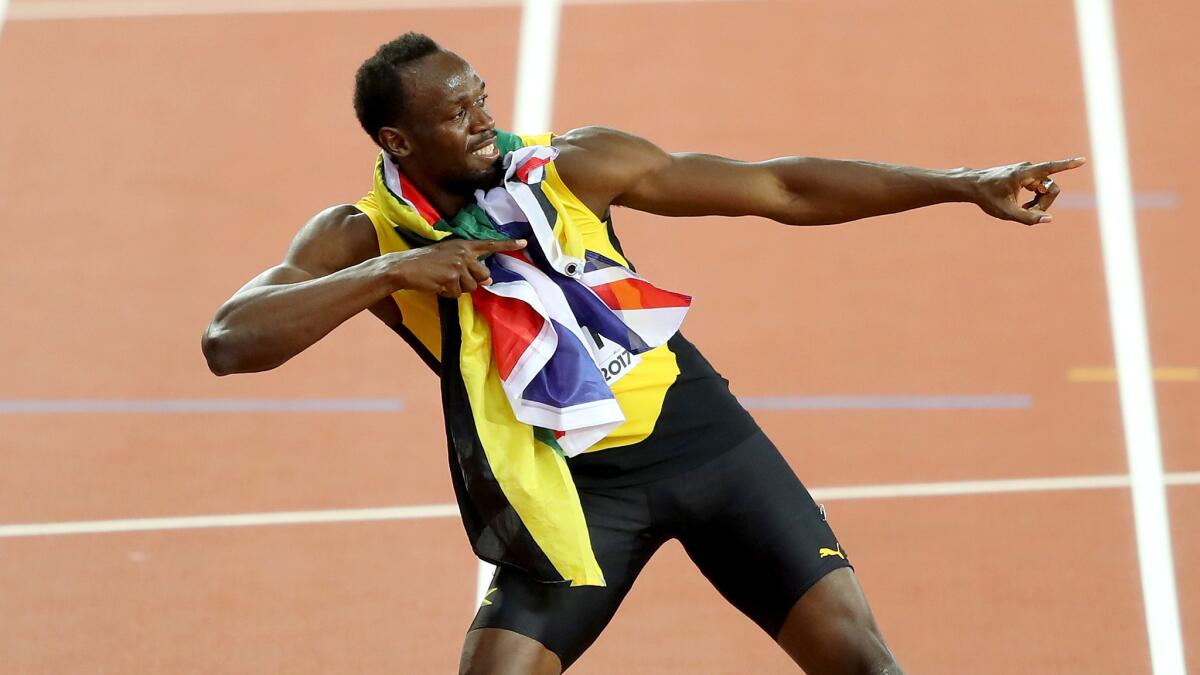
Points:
point(754, 531)
point(567, 620)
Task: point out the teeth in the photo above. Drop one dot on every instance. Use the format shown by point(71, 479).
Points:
point(485, 150)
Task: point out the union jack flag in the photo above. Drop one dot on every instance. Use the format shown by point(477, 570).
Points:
point(557, 319)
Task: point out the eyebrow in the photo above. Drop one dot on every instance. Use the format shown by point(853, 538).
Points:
point(466, 96)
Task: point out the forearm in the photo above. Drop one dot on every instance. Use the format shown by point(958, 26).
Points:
point(262, 327)
point(827, 191)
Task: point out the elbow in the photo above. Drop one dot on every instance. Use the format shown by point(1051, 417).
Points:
point(801, 213)
point(218, 353)
point(797, 217)
point(794, 208)
point(227, 353)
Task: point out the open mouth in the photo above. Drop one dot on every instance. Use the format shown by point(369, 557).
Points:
point(487, 151)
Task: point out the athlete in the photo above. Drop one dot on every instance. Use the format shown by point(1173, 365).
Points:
point(689, 463)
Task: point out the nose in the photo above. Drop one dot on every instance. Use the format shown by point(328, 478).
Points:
point(482, 120)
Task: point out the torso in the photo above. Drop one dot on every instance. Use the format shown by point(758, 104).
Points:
point(679, 410)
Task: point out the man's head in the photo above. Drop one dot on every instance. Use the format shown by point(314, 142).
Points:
point(427, 108)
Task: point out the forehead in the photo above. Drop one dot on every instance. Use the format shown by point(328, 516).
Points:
point(440, 78)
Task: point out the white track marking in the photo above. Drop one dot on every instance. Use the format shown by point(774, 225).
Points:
point(41, 10)
point(231, 520)
point(1118, 233)
point(36, 10)
point(972, 487)
point(536, 59)
point(420, 512)
point(198, 405)
point(3, 13)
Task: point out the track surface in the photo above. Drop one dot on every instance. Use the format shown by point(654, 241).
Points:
point(152, 165)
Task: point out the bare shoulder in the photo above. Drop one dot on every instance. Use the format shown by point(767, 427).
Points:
point(334, 239)
point(600, 145)
point(600, 163)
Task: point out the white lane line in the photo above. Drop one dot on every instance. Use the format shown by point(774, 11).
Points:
point(537, 57)
point(3, 13)
point(973, 487)
point(230, 520)
point(1118, 234)
point(42, 10)
point(198, 405)
point(850, 492)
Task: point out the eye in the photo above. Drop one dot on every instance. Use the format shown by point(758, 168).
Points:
point(482, 101)
point(460, 114)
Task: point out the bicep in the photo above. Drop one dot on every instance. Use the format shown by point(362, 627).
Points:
point(284, 273)
point(333, 240)
point(692, 184)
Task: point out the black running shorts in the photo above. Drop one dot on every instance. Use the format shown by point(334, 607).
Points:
point(743, 517)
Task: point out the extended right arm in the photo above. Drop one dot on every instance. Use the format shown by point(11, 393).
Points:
point(331, 272)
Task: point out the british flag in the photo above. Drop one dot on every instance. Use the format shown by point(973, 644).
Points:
point(557, 320)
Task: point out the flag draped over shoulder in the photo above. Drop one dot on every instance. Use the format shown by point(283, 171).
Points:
point(521, 384)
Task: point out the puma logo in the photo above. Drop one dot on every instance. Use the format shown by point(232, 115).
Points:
point(829, 552)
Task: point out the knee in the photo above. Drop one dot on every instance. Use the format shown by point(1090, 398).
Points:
point(838, 641)
point(871, 654)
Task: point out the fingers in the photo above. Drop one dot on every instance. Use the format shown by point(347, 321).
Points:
point(482, 246)
point(1030, 216)
point(479, 272)
point(468, 274)
point(1032, 184)
point(1047, 191)
point(1046, 168)
point(1029, 213)
point(1033, 212)
point(451, 288)
point(467, 283)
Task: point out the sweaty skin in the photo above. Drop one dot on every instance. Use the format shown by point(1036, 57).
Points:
point(333, 270)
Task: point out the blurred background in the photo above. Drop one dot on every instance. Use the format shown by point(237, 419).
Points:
point(922, 372)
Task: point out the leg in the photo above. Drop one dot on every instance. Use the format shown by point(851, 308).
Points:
point(830, 629)
point(525, 626)
point(756, 534)
point(496, 651)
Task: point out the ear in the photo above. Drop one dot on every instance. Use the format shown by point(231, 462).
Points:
point(395, 142)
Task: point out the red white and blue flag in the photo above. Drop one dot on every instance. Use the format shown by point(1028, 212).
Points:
point(559, 322)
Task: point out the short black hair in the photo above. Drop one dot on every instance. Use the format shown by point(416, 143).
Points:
point(378, 93)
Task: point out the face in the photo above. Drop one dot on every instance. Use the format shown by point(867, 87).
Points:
point(447, 135)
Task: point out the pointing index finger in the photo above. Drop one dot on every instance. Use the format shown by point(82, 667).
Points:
point(493, 245)
point(1047, 168)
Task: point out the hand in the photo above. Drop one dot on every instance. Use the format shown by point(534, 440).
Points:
point(997, 190)
point(448, 268)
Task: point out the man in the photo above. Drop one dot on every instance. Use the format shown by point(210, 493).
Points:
point(689, 462)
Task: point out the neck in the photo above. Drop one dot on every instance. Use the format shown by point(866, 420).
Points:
point(447, 202)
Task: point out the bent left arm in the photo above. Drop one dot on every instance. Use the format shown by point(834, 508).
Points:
point(618, 168)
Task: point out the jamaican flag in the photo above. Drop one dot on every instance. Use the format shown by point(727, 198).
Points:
point(515, 494)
